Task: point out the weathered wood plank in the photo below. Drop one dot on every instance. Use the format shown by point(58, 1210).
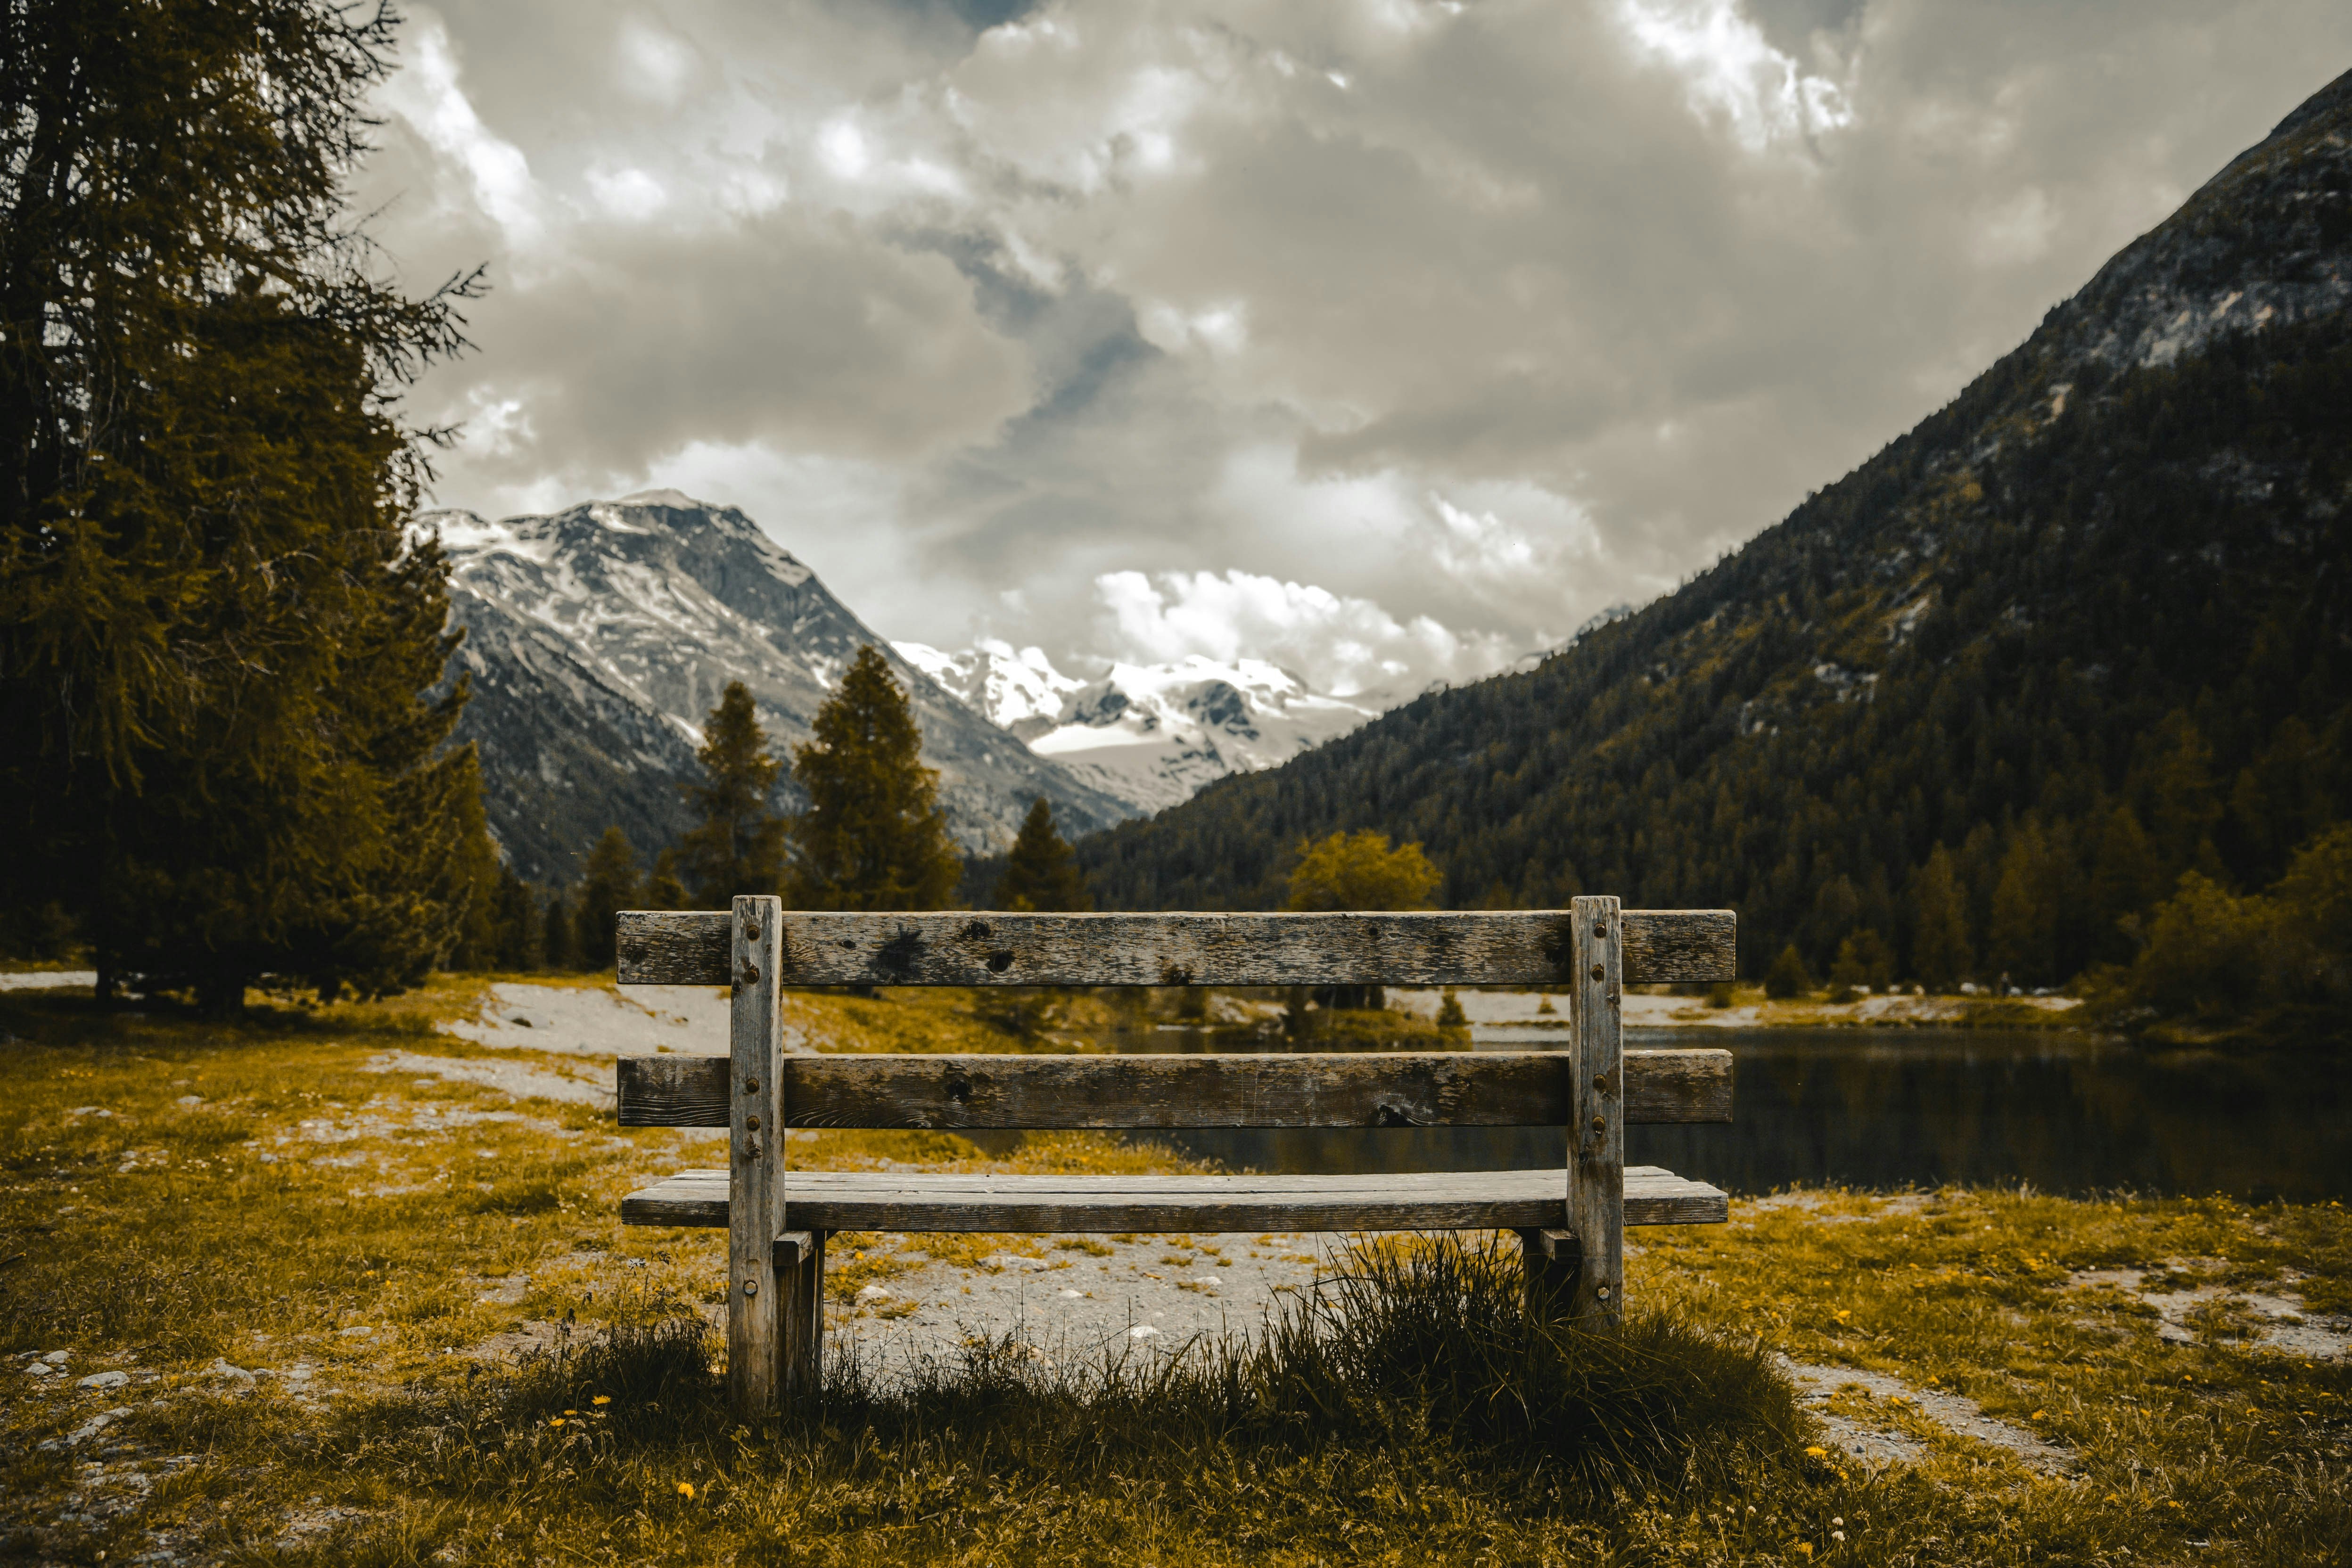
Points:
point(1417, 1089)
point(1525, 948)
point(1552, 1264)
point(755, 1295)
point(898, 1200)
point(1596, 1137)
point(799, 1282)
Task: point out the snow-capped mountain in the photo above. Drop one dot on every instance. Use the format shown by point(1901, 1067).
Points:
point(600, 636)
point(1151, 735)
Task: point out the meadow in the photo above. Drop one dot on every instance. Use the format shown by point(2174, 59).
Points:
point(267, 1295)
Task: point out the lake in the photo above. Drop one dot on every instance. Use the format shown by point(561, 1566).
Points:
point(2067, 1113)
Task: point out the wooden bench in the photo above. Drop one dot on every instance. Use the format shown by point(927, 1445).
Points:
point(1571, 1222)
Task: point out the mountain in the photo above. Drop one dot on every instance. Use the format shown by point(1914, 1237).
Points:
point(598, 638)
point(1151, 735)
point(2083, 629)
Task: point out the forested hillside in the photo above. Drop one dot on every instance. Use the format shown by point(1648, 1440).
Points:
point(1989, 696)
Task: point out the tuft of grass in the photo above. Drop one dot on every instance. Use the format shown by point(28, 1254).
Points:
point(1401, 1351)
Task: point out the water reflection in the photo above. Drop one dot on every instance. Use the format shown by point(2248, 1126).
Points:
point(1886, 1108)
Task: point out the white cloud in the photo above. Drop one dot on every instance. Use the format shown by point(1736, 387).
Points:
point(629, 193)
point(1733, 75)
point(652, 62)
point(426, 95)
point(1343, 645)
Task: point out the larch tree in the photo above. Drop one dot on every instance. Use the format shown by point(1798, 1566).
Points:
point(216, 634)
point(1941, 955)
point(609, 886)
point(873, 835)
point(1360, 871)
point(1041, 872)
point(739, 845)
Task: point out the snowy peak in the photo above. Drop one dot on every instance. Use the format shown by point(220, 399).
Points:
point(1151, 734)
point(1019, 691)
point(600, 636)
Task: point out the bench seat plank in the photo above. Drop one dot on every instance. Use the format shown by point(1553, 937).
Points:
point(1373, 1089)
point(919, 1201)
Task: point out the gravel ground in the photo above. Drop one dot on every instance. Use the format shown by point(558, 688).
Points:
point(1083, 1296)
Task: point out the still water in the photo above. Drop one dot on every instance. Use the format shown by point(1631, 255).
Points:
point(2067, 1112)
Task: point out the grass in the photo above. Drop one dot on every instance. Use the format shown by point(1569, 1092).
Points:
point(254, 1192)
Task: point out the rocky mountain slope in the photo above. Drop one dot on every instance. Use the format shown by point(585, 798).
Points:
point(1151, 735)
point(598, 638)
point(1988, 697)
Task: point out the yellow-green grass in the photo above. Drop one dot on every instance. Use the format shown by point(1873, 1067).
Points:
point(158, 1239)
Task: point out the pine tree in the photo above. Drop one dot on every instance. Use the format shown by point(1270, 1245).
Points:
point(1941, 953)
point(738, 847)
point(214, 634)
point(609, 887)
point(1864, 961)
point(2125, 880)
point(514, 916)
point(873, 836)
point(665, 889)
point(1041, 873)
point(558, 950)
point(2020, 938)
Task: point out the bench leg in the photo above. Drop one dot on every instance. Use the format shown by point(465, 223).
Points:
point(800, 1289)
point(1553, 1262)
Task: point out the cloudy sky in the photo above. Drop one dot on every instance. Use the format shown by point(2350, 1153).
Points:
point(1387, 338)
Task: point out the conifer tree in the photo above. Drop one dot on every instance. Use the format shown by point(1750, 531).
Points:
point(609, 887)
point(214, 634)
point(665, 889)
point(1041, 873)
point(873, 836)
point(557, 946)
point(739, 846)
point(514, 916)
point(1941, 953)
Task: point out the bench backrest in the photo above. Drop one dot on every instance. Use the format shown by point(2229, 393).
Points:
point(1400, 1088)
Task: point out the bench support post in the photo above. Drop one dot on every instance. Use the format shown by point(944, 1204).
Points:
point(755, 1207)
point(800, 1289)
point(1596, 1142)
point(1551, 1262)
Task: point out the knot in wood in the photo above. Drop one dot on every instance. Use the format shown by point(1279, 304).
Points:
point(976, 931)
point(960, 1089)
point(1000, 961)
point(1393, 1115)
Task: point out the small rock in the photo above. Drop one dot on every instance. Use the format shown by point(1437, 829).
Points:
point(1210, 1280)
point(873, 1293)
point(96, 1424)
point(357, 1331)
point(189, 1100)
point(104, 1380)
point(1143, 1330)
point(41, 1369)
point(220, 1368)
point(1073, 1295)
point(58, 1357)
